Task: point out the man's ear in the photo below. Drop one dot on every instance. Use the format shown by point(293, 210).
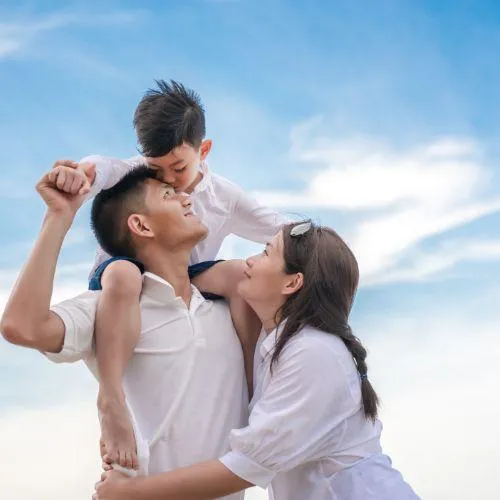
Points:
point(138, 225)
point(293, 283)
point(205, 148)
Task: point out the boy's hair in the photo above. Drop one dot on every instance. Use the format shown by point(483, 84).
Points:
point(112, 207)
point(167, 117)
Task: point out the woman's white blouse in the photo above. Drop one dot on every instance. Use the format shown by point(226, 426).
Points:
point(307, 435)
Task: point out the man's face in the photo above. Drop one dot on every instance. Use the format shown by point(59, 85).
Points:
point(169, 217)
point(180, 167)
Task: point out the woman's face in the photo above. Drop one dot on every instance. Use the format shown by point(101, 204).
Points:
point(265, 281)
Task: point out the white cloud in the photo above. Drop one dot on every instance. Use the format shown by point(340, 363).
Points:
point(17, 34)
point(437, 374)
point(397, 199)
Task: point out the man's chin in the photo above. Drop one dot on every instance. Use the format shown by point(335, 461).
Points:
point(199, 228)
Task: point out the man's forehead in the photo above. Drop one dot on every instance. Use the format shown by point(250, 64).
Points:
point(157, 185)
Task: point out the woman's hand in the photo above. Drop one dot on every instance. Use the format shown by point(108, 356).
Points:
point(113, 486)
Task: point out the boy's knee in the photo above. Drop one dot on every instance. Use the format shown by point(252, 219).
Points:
point(122, 278)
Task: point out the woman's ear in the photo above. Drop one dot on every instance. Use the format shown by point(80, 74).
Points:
point(293, 283)
point(138, 225)
point(205, 148)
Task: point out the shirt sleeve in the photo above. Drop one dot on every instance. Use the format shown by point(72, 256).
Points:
point(253, 221)
point(109, 171)
point(299, 418)
point(78, 316)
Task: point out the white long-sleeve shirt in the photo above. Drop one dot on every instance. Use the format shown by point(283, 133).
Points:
point(308, 437)
point(222, 206)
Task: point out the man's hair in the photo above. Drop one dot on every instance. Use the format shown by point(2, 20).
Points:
point(112, 207)
point(167, 117)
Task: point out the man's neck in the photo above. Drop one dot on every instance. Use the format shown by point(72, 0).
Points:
point(173, 268)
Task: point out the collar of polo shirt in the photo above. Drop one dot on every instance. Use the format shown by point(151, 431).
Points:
point(157, 288)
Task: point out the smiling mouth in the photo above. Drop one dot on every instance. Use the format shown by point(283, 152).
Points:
point(246, 274)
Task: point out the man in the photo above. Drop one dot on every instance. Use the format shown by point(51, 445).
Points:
point(185, 384)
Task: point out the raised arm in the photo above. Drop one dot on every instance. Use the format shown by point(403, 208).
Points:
point(27, 319)
point(109, 171)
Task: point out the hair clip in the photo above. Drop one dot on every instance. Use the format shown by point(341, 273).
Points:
point(300, 229)
point(364, 376)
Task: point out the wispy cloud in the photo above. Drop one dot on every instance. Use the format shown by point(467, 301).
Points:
point(20, 32)
point(397, 198)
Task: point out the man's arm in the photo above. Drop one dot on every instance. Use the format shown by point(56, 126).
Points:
point(27, 319)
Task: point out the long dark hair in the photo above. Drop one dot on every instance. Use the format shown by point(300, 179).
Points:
point(324, 301)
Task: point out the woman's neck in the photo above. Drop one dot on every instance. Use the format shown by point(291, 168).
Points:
point(268, 315)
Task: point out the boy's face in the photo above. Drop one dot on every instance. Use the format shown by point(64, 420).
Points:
point(179, 168)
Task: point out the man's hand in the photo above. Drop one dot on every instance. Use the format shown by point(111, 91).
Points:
point(57, 201)
point(71, 177)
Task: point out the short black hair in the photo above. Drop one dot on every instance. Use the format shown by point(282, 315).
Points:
point(167, 117)
point(112, 207)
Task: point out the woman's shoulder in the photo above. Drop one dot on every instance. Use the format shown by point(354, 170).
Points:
point(313, 344)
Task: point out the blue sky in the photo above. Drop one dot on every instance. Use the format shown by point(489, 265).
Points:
point(379, 119)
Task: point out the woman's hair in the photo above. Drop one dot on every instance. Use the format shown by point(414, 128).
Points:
point(324, 301)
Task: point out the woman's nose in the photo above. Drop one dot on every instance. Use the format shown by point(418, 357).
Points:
point(249, 261)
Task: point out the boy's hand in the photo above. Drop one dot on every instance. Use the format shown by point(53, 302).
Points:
point(57, 200)
point(71, 177)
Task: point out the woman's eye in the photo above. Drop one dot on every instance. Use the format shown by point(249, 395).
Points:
point(180, 170)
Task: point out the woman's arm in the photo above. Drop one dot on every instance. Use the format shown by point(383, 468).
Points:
point(204, 481)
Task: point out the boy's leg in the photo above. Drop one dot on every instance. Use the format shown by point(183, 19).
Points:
point(222, 279)
point(117, 332)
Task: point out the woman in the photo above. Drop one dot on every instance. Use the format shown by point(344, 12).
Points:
point(313, 432)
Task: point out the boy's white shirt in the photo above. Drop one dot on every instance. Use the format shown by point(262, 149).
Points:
point(223, 207)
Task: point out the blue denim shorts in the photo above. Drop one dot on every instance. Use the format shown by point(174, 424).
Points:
point(193, 271)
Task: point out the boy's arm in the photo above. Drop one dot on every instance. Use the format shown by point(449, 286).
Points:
point(109, 171)
point(253, 221)
point(27, 319)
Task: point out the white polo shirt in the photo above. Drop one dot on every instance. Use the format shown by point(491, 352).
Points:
point(307, 437)
point(222, 206)
point(185, 383)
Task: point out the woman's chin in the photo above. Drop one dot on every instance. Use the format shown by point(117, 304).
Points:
point(243, 287)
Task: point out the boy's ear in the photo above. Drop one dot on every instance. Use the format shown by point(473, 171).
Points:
point(205, 148)
point(139, 226)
